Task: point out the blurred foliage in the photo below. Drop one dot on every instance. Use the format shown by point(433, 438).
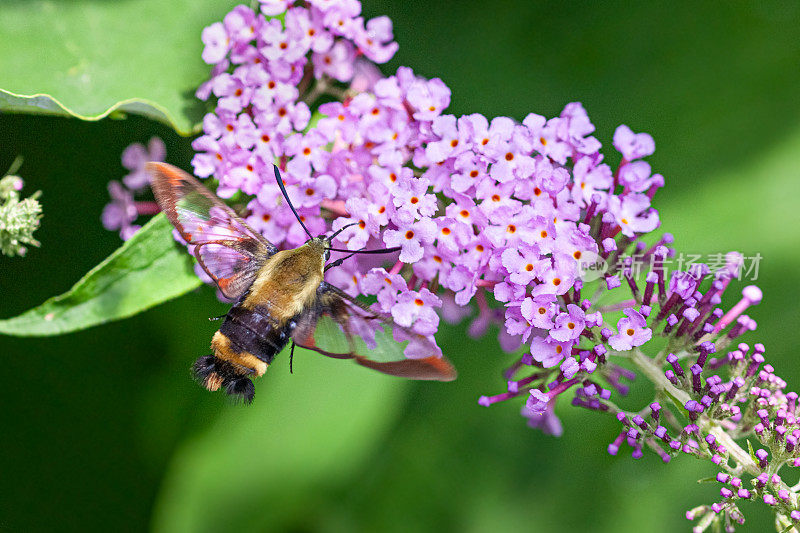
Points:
point(104, 429)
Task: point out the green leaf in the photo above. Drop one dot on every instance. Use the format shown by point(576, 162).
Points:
point(89, 59)
point(44, 104)
point(149, 269)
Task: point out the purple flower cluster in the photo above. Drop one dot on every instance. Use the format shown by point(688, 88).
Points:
point(475, 205)
point(123, 210)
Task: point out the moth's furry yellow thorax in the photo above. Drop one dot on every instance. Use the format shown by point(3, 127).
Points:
point(288, 281)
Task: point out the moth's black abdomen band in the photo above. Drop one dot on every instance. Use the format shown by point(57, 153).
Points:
point(254, 331)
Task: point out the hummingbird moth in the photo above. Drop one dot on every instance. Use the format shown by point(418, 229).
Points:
point(281, 296)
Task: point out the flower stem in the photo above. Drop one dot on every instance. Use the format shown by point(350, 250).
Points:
point(679, 397)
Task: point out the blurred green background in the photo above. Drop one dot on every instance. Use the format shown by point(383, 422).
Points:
point(105, 430)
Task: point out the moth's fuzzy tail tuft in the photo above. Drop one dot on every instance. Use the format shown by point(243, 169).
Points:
point(241, 389)
point(214, 373)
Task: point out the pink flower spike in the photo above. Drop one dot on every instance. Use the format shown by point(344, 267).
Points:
point(751, 295)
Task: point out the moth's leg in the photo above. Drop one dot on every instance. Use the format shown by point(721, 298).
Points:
point(213, 318)
point(291, 357)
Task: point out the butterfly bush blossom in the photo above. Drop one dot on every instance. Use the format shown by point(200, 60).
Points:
point(522, 224)
point(123, 210)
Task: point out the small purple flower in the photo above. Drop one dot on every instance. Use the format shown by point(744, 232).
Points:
point(632, 331)
point(549, 352)
point(375, 40)
point(338, 62)
point(569, 325)
point(417, 309)
point(120, 213)
point(411, 239)
point(134, 159)
point(540, 311)
point(523, 265)
point(428, 99)
point(216, 42)
point(633, 214)
point(537, 401)
point(633, 145)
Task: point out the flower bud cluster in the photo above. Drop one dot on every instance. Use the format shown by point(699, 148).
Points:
point(19, 218)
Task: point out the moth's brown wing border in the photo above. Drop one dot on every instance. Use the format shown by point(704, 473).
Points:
point(171, 185)
point(341, 307)
point(203, 220)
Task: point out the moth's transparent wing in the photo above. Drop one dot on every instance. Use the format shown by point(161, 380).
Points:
point(229, 250)
point(232, 267)
point(342, 327)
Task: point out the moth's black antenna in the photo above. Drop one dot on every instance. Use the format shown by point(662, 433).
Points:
point(381, 251)
point(351, 252)
point(338, 231)
point(283, 190)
